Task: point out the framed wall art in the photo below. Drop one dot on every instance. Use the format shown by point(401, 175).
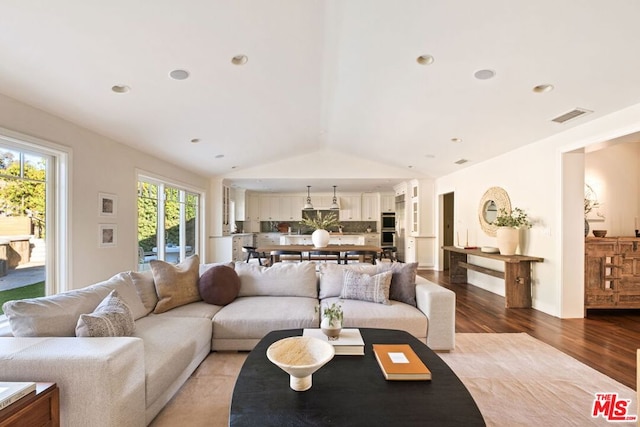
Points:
point(107, 235)
point(107, 204)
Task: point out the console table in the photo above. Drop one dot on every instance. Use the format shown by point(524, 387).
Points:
point(40, 409)
point(516, 275)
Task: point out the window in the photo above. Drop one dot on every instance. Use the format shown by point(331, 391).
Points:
point(168, 222)
point(33, 203)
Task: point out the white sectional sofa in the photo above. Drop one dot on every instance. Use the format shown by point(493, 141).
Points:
point(127, 380)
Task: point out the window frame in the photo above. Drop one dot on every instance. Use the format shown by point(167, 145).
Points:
point(163, 182)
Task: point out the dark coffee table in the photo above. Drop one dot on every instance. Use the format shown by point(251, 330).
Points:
point(351, 390)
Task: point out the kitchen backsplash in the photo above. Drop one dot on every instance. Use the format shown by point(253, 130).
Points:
point(347, 226)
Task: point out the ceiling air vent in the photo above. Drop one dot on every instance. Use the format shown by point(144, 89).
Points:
point(461, 161)
point(573, 114)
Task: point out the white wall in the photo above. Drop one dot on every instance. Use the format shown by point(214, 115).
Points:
point(98, 165)
point(534, 176)
point(614, 175)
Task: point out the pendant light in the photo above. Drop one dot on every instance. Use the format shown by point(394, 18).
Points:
point(308, 206)
point(334, 203)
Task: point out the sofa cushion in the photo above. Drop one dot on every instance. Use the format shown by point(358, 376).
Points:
point(332, 277)
point(395, 315)
point(112, 318)
point(219, 285)
point(254, 317)
point(146, 289)
point(57, 315)
point(364, 287)
point(177, 284)
point(403, 280)
point(170, 345)
point(281, 279)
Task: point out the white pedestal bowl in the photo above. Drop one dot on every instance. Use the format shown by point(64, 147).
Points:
point(300, 357)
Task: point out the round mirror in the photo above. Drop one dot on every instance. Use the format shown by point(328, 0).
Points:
point(494, 199)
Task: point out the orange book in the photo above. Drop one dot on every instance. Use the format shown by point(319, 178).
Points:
point(400, 362)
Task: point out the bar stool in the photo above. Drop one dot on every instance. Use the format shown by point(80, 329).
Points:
point(252, 253)
point(389, 252)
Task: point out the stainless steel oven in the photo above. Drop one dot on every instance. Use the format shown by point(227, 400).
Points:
point(388, 231)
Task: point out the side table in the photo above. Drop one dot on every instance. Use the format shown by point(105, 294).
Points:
point(39, 410)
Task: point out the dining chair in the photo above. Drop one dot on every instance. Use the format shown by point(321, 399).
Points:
point(324, 256)
point(362, 255)
point(252, 253)
point(289, 255)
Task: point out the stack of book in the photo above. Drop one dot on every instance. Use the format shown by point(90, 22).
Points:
point(349, 342)
point(400, 362)
point(11, 392)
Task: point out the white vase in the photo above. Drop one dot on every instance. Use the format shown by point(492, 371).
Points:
point(320, 238)
point(508, 240)
point(331, 331)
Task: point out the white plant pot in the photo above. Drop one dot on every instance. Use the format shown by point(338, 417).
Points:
point(320, 238)
point(508, 240)
point(331, 331)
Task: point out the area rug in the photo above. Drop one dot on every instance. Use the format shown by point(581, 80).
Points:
point(515, 379)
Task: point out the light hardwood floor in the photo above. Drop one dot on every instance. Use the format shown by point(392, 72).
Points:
point(605, 340)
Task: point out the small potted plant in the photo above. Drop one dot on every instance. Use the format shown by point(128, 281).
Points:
point(331, 323)
point(509, 225)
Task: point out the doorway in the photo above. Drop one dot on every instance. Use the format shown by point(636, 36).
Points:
point(447, 224)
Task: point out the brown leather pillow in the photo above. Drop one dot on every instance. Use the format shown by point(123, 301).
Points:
point(219, 285)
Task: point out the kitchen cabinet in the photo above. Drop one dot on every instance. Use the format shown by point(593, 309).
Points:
point(372, 239)
point(240, 203)
point(237, 242)
point(350, 208)
point(387, 203)
point(612, 272)
point(269, 208)
point(370, 207)
point(253, 208)
point(267, 239)
point(291, 208)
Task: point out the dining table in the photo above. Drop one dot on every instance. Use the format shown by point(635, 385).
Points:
point(338, 250)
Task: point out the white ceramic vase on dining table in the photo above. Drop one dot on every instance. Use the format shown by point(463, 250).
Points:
point(320, 238)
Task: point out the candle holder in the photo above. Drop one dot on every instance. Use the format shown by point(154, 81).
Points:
point(637, 233)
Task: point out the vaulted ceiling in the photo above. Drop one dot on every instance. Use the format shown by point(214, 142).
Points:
point(342, 76)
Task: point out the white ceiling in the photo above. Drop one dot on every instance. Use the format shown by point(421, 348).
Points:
point(335, 75)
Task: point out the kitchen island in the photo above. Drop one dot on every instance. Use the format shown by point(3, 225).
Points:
point(334, 239)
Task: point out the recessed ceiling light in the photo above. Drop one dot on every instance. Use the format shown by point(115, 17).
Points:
point(239, 60)
point(456, 139)
point(543, 88)
point(195, 140)
point(120, 88)
point(461, 161)
point(219, 156)
point(410, 167)
point(179, 74)
point(425, 60)
point(484, 74)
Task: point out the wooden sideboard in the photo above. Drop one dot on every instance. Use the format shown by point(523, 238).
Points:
point(612, 272)
point(41, 409)
point(516, 275)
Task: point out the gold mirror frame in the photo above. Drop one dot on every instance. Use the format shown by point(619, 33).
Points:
point(500, 197)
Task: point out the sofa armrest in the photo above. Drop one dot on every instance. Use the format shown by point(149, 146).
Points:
point(439, 305)
point(101, 380)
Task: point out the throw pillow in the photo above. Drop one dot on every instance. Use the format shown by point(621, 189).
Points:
point(219, 285)
point(332, 277)
point(364, 287)
point(403, 281)
point(146, 289)
point(112, 318)
point(176, 284)
point(292, 279)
